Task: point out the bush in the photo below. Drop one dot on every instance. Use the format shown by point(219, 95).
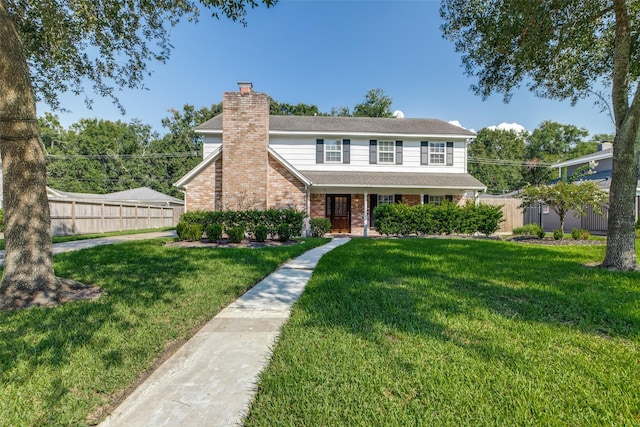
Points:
point(448, 218)
point(1, 220)
point(236, 234)
point(214, 232)
point(260, 233)
point(557, 234)
point(187, 231)
point(284, 232)
point(579, 234)
point(529, 230)
point(320, 226)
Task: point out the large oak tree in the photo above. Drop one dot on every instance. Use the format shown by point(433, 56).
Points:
point(48, 47)
point(563, 49)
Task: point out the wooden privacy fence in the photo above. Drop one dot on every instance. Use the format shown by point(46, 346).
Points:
point(84, 217)
point(511, 212)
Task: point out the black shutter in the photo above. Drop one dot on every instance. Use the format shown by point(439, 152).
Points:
point(398, 152)
point(373, 152)
point(449, 198)
point(425, 199)
point(449, 153)
point(424, 152)
point(346, 151)
point(397, 198)
point(373, 202)
point(319, 150)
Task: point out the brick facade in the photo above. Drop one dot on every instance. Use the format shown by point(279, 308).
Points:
point(201, 191)
point(245, 160)
point(284, 190)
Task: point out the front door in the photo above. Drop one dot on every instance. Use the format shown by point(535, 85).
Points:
point(339, 212)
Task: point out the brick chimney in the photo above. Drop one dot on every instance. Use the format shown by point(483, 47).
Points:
point(245, 139)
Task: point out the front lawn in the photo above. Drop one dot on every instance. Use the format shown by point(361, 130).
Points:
point(59, 366)
point(434, 332)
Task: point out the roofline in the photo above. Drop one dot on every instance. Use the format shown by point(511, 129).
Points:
point(339, 133)
point(584, 159)
point(393, 186)
point(288, 166)
point(199, 167)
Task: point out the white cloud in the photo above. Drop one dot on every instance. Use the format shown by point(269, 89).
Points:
point(456, 123)
point(517, 128)
point(398, 114)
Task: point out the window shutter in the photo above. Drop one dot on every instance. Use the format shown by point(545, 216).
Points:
point(346, 151)
point(449, 153)
point(373, 202)
point(319, 150)
point(373, 152)
point(424, 152)
point(449, 198)
point(398, 152)
point(397, 198)
point(425, 199)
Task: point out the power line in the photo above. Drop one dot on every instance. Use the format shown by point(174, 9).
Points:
point(121, 156)
point(502, 162)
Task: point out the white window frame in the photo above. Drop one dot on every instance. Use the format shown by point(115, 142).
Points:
point(389, 148)
point(436, 200)
point(385, 198)
point(333, 148)
point(437, 153)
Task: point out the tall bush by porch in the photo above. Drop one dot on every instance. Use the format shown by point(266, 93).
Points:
point(448, 218)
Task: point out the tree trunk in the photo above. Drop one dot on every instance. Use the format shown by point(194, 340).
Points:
point(621, 241)
point(28, 277)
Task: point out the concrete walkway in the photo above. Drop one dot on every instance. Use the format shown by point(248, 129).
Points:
point(76, 245)
point(210, 381)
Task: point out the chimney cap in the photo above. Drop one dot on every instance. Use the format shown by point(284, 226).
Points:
point(245, 87)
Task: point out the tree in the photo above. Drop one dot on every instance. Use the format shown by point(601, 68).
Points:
point(375, 104)
point(563, 50)
point(283, 109)
point(495, 158)
point(47, 48)
point(564, 197)
point(550, 142)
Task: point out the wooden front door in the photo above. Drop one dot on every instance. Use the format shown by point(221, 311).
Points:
point(339, 212)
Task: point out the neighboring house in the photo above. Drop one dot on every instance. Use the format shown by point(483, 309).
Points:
point(334, 167)
point(601, 162)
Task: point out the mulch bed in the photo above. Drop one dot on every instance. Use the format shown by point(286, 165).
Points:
point(225, 243)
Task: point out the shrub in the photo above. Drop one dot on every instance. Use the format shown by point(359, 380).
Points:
point(557, 234)
point(486, 218)
point(214, 232)
point(261, 233)
point(284, 232)
point(1, 220)
point(529, 230)
point(236, 234)
point(187, 231)
point(320, 226)
point(579, 234)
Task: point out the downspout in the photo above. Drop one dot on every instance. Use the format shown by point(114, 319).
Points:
point(365, 216)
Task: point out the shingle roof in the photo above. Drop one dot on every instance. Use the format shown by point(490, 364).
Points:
point(347, 125)
point(135, 195)
point(394, 179)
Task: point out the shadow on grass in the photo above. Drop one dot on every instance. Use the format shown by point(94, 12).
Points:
point(74, 357)
point(410, 283)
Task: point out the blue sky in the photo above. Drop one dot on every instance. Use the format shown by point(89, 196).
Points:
point(329, 53)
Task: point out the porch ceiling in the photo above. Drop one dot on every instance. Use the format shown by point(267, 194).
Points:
point(405, 180)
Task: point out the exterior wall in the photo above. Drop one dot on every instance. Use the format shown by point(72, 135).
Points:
point(284, 190)
point(411, 199)
point(202, 190)
point(318, 205)
point(357, 211)
point(209, 144)
point(245, 162)
point(301, 153)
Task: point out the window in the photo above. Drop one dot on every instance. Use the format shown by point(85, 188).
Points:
point(385, 198)
point(437, 200)
point(437, 153)
point(333, 151)
point(386, 151)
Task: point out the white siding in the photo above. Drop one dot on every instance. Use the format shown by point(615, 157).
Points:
point(209, 144)
point(301, 153)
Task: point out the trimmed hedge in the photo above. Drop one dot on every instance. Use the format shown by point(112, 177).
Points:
point(320, 226)
point(448, 218)
point(272, 219)
point(529, 230)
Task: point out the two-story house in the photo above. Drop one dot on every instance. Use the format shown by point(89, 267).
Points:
point(334, 167)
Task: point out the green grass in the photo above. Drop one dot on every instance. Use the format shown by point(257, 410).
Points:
point(431, 332)
point(59, 365)
point(74, 237)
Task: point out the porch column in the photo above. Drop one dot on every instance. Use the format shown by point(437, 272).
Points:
point(476, 198)
point(422, 198)
point(308, 220)
point(365, 216)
